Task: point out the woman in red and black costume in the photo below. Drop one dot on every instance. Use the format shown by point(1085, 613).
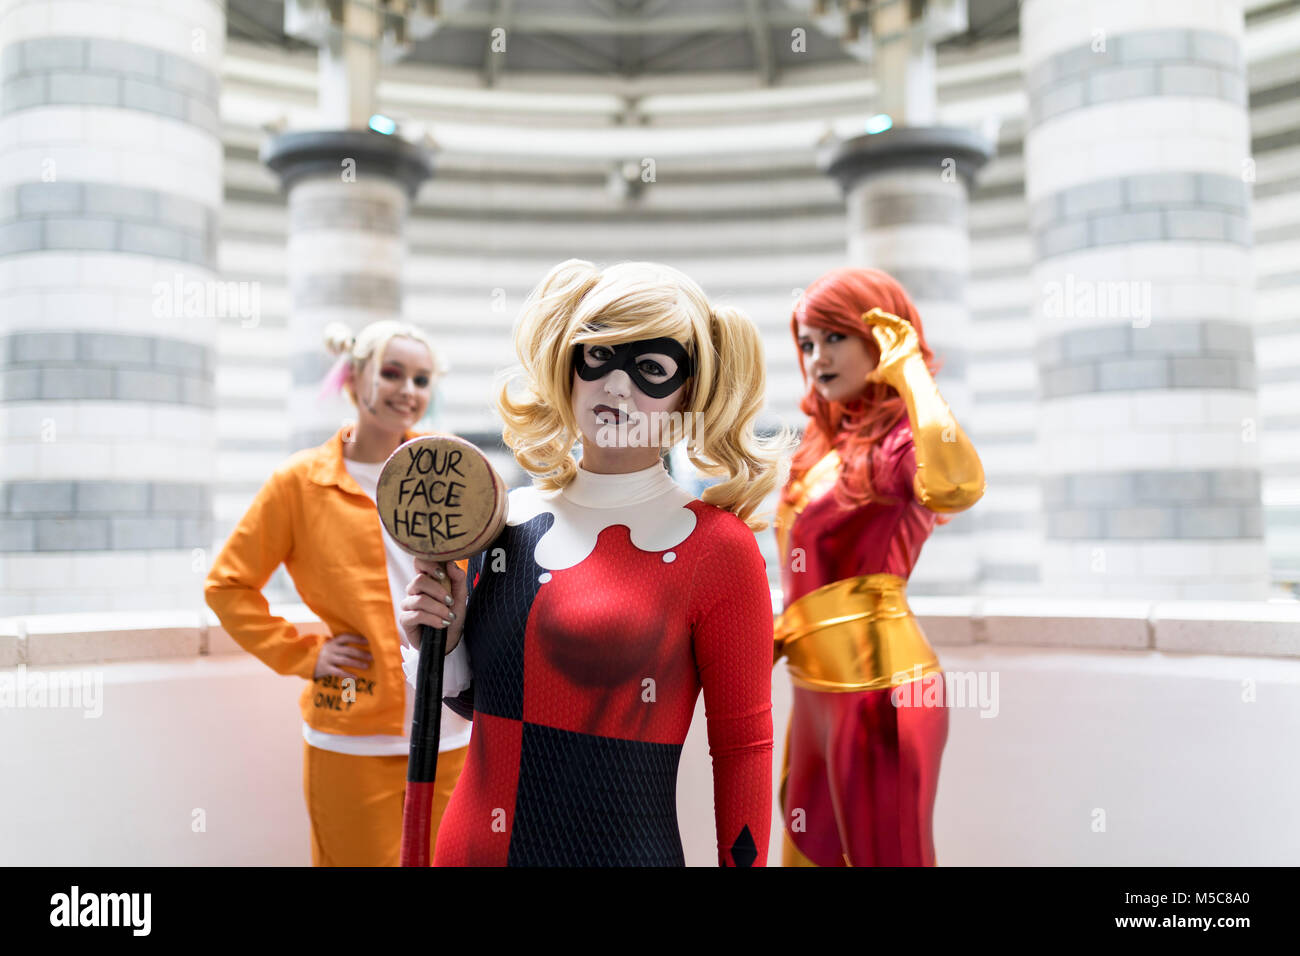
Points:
point(881, 459)
point(613, 596)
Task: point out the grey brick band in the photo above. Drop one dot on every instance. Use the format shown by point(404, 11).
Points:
point(1222, 522)
point(93, 71)
point(899, 209)
point(1140, 193)
point(356, 290)
point(61, 366)
point(1132, 65)
point(336, 212)
point(101, 217)
point(1209, 354)
point(1221, 503)
point(1142, 208)
point(104, 516)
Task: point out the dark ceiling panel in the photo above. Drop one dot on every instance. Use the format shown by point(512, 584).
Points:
point(651, 53)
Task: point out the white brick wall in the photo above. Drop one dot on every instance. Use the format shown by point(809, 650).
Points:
point(1152, 135)
point(904, 247)
point(247, 467)
point(166, 24)
point(1132, 570)
point(946, 559)
point(248, 382)
point(1049, 27)
point(141, 150)
point(993, 374)
point(330, 250)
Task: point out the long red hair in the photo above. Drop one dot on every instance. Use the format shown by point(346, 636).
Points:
point(836, 303)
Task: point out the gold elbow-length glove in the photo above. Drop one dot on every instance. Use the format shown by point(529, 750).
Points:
point(949, 476)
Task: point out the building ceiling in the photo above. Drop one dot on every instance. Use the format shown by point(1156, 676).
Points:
point(628, 38)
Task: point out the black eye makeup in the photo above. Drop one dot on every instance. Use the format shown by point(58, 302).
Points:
point(392, 372)
point(829, 338)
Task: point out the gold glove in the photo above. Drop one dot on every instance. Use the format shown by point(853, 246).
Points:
point(949, 476)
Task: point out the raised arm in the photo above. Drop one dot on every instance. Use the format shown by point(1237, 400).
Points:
point(261, 541)
point(732, 628)
point(949, 476)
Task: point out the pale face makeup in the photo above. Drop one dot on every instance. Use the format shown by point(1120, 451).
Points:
point(613, 399)
point(837, 364)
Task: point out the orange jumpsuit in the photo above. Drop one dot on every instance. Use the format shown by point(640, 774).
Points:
point(312, 517)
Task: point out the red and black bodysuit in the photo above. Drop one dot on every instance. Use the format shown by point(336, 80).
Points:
point(593, 622)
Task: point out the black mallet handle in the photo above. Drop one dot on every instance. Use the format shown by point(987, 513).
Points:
point(426, 728)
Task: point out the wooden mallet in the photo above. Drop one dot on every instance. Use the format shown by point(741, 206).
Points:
point(440, 499)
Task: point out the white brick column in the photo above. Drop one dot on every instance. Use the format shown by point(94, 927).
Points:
point(349, 195)
point(1135, 160)
point(907, 192)
point(110, 185)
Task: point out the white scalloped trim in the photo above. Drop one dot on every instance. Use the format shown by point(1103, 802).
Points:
point(656, 524)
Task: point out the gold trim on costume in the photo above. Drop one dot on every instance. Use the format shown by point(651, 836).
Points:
point(791, 855)
point(855, 634)
point(814, 483)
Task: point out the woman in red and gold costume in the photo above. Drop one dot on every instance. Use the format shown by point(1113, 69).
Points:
point(882, 458)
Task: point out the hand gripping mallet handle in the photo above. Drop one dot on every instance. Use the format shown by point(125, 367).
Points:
point(440, 499)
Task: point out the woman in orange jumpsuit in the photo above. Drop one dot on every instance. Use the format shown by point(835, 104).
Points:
point(881, 459)
point(316, 515)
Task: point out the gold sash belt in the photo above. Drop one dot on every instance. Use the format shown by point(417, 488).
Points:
point(854, 634)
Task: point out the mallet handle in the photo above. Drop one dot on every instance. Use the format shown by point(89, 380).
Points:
point(422, 767)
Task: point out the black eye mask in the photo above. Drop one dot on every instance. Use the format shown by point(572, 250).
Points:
point(628, 354)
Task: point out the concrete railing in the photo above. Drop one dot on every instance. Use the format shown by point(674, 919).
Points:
point(1269, 629)
point(1191, 627)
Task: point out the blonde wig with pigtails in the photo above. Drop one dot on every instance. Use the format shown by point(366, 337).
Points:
point(354, 351)
point(578, 304)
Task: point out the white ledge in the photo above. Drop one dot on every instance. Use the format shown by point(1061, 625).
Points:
point(1229, 628)
point(1256, 628)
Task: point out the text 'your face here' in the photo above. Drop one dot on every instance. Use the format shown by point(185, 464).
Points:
point(429, 496)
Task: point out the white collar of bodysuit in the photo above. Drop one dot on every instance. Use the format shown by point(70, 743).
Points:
point(648, 503)
point(616, 491)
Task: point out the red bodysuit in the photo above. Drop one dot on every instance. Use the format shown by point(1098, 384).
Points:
point(862, 769)
point(593, 622)
point(877, 538)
